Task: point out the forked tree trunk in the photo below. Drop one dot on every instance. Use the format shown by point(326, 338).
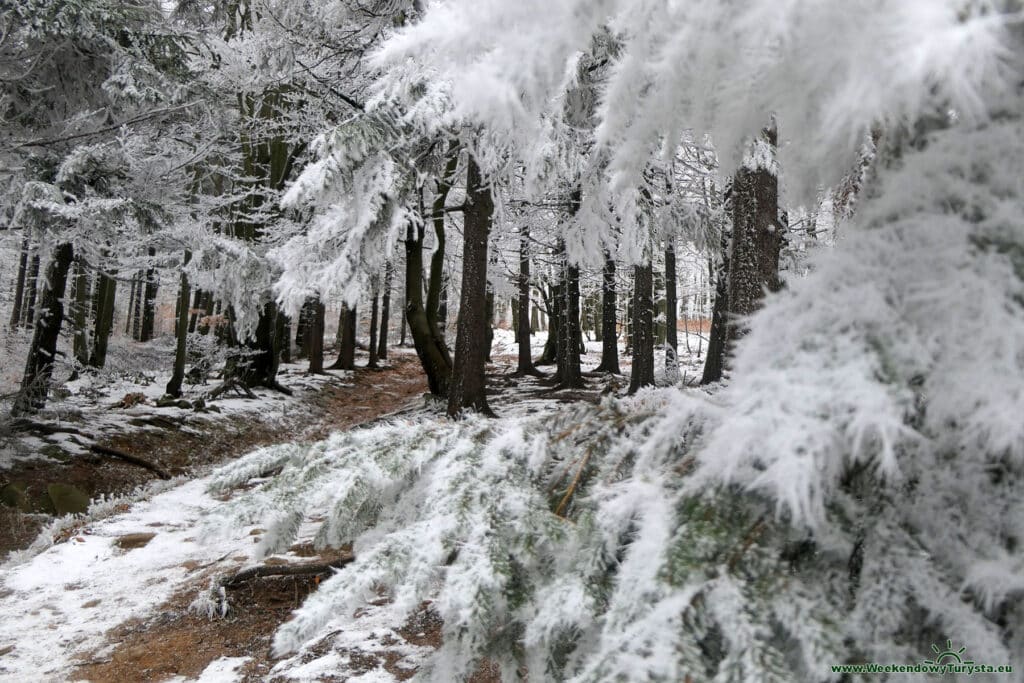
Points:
point(468, 385)
point(609, 314)
point(35, 383)
point(181, 330)
point(643, 328)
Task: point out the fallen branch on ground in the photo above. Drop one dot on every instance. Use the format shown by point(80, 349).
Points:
point(265, 570)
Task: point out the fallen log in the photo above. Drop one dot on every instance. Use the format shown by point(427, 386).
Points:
point(131, 459)
point(266, 570)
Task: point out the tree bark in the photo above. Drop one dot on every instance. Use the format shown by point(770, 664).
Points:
point(80, 312)
point(374, 312)
point(347, 347)
point(643, 328)
point(714, 361)
point(757, 237)
point(315, 333)
point(193, 315)
point(106, 292)
point(554, 301)
point(609, 315)
point(671, 307)
point(182, 328)
point(133, 316)
point(526, 366)
point(468, 384)
point(35, 383)
point(569, 375)
point(149, 301)
point(19, 285)
point(29, 315)
point(385, 314)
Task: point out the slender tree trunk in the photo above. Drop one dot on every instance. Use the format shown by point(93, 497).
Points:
point(347, 347)
point(526, 366)
point(260, 358)
point(385, 315)
point(671, 307)
point(468, 385)
point(374, 312)
point(609, 315)
point(80, 313)
point(643, 328)
point(193, 316)
point(104, 320)
point(569, 375)
point(149, 301)
point(35, 383)
point(133, 324)
point(429, 343)
point(19, 286)
point(33, 280)
point(316, 338)
point(181, 330)
point(437, 290)
point(554, 301)
point(302, 329)
point(401, 323)
point(714, 361)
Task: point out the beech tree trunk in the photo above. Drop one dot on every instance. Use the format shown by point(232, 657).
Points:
point(430, 346)
point(468, 385)
point(35, 383)
point(181, 330)
point(609, 314)
point(643, 328)
point(19, 285)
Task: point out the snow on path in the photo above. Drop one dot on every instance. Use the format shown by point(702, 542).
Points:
point(58, 605)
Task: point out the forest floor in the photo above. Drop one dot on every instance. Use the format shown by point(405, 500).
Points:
point(122, 593)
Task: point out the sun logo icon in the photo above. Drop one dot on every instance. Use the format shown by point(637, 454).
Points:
point(947, 656)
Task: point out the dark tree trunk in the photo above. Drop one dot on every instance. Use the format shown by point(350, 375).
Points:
point(194, 313)
point(437, 287)
point(569, 375)
point(757, 237)
point(347, 347)
point(526, 366)
point(468, 385)
point(643, 328)
point(374, 312)
point(554, 301)
point(385, 315)
point(181, 330)
point(258, 366)
point(609, 315)
point(80, 313)
point(35, 383)
point(302, 329)
point(133, 324)
point(315, 334)
point(283, 337)
point(489, 336)
point(671, 307)
point(32, 286)
point(149, 301)
point(401, 338)
point(19, 285)
point(714, 361)
point(107, 290)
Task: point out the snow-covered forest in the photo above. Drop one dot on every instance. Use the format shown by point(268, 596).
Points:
point(478, 340)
